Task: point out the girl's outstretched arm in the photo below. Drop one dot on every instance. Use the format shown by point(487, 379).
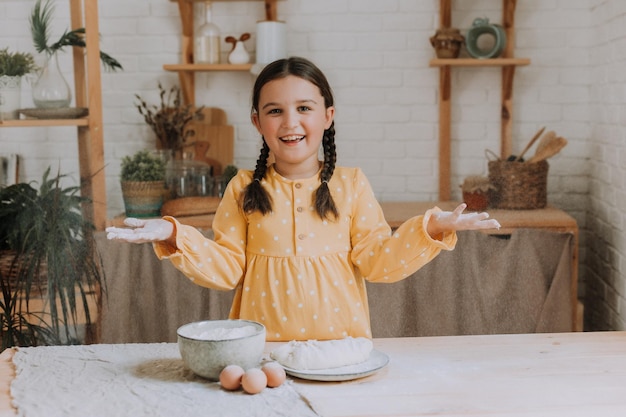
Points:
point(450, 221)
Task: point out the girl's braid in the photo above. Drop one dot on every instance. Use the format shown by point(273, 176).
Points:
point(324, 203)
point(255, 197)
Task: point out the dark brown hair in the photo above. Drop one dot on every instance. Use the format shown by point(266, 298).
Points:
point(255, 197)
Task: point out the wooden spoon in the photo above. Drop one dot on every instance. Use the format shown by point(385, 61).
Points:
point(549, 149)
point(539, 132)
point(545, 141)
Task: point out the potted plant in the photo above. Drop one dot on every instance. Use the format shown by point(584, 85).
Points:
point(13, 66)
point(50, 274)
point(169, 120)
point(143, 184)
point(51, 89)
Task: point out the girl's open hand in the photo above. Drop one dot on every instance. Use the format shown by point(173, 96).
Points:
point(450, 221)
point(141, 231)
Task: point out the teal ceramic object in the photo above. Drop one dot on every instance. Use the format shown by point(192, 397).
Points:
point(480, 27)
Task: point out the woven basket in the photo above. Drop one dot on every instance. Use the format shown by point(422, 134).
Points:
point(9, 271)
point(518, 185)
point(143, 198)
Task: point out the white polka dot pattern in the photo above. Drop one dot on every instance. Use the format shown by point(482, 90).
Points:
point(302, 277)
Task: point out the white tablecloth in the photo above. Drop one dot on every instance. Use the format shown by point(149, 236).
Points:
point(133, 380)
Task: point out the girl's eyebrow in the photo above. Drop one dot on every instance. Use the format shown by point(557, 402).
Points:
point(273, 104)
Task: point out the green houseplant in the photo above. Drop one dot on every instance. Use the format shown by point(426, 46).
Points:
point(143, 184)
point(51, 89)
point(16, 64)
point(51, 275)
point(13, 66)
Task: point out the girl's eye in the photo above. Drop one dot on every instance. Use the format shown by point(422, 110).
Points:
point(304, 108)
point(274, 111)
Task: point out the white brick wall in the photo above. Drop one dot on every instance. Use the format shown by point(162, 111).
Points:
point(376, 56)
point(605, 268)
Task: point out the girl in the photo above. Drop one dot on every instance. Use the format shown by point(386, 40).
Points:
point(297, 238)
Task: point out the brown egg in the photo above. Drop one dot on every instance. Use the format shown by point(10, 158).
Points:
point(230, 377)
point(275, 374)
point(253, 381)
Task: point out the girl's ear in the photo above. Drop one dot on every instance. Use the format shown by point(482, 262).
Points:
point(330, 115)
point(254, 117)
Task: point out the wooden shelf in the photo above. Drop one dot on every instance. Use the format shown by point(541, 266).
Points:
point(507, 62)
point(83, 121)
point(206, 67)
point(87, 93)
point(187, 69)
point(473, 62)
point(202, 1)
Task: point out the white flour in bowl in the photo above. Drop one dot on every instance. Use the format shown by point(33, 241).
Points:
point(220, 333)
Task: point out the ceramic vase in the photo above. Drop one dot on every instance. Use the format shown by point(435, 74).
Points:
point(239, 55)
point(447, 42)
point(10, 96)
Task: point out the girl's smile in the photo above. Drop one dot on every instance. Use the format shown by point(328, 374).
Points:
point(292, 118)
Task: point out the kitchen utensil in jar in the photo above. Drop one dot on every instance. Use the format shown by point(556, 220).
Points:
point(549, 148)
point(530, 143)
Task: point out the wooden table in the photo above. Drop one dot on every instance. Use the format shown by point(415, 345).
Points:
point(565, 374)
point(547, 375)
point(396, 212)
point(548, 218)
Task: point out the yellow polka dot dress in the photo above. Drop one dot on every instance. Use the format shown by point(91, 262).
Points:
point(299, 275)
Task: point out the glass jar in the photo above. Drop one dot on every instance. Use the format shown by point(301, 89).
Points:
point(206, 46)
point(187, 178)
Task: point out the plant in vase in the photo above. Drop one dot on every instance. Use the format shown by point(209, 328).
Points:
point(143, 184)
point(13, 67)
point(50, 273)
point(51, 89)
point(169, 119)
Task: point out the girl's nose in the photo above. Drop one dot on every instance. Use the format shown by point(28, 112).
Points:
point(290, 119)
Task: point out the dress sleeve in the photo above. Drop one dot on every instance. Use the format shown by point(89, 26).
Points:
point(218, 263)
point(382, 256)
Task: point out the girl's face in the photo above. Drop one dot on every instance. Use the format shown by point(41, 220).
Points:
point(292, 118)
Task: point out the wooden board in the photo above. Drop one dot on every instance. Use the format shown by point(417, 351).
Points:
point(214, 140)
point(214, 116)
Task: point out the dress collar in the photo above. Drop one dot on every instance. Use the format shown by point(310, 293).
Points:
point(272, 173)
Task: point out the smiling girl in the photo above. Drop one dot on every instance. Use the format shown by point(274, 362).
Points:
point(298, 238)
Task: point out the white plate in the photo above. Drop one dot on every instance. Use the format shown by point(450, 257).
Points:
point(376, 362)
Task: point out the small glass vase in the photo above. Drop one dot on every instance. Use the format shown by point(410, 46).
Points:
point(207, 40)
point(51, 90)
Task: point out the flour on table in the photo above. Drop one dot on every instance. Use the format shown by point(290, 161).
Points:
point(323, 354)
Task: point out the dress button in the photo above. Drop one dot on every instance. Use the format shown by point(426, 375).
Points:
point(298, 185)
point(301, 236)
point(299, 209)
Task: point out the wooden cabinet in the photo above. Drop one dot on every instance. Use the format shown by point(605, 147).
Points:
point(187, 69)
point(508, 64)
point(88, 93)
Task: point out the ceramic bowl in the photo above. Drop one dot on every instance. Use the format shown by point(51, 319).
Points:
point(209, 346)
